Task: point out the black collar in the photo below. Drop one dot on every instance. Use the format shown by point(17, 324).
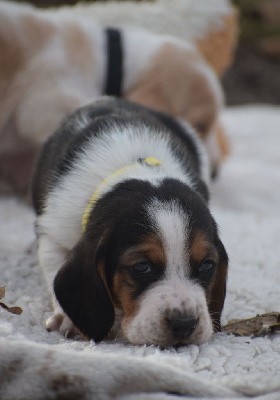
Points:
point(113, 84)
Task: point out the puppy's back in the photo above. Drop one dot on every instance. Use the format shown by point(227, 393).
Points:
point(70, 140)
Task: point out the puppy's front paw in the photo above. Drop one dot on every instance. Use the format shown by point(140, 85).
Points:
point(59, 321)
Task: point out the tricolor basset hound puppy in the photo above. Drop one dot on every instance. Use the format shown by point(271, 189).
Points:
point(53, 62)
point(126, 239)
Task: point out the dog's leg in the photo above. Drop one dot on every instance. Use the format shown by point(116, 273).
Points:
point(51, 258)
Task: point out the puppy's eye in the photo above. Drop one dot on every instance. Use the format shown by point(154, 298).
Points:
point(143, 267)
point(206, 267)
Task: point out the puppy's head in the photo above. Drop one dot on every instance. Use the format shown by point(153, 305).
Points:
point(152, 252)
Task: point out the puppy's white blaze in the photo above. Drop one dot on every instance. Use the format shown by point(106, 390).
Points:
point(172, 226)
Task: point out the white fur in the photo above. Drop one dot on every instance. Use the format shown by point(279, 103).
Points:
point(148, 325)
point(172, 225)
point(175, 291)
point(187, 19)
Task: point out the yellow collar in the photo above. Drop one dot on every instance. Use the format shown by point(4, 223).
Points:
point(151, 161)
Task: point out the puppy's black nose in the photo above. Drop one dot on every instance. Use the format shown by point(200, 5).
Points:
point(181, 325)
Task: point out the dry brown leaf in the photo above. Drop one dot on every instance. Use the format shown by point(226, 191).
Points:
point(2, 292)
point(12, 310)
point(256, 326)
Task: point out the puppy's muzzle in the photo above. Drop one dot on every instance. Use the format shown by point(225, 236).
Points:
point(180, 324)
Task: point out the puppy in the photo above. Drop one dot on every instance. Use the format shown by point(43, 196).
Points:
point(53, 62)
point(126, 239)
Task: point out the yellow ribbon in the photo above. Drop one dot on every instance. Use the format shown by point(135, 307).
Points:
point(152, 161)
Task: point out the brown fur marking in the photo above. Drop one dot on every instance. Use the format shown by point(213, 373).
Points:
point(202, 248)
point(219, 44)
point(151, 250)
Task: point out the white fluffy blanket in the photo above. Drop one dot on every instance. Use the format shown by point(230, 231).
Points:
point(35, 364)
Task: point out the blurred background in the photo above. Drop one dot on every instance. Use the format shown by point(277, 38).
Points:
point(254, 76)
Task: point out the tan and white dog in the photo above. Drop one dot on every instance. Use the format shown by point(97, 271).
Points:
point(52, 63)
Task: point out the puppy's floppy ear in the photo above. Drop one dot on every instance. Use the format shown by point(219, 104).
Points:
point(218, 288)
point(81, 289)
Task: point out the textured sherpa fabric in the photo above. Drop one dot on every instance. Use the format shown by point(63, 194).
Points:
point(245, 201)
